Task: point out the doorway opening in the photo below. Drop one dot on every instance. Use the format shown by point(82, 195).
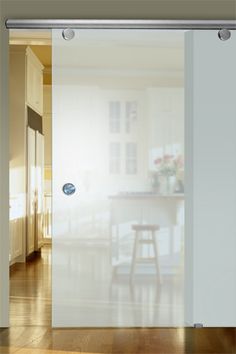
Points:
point(30, 63)
point(127, 228)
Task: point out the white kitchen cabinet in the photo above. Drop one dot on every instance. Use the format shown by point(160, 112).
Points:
point(17, 153)
point(31, 193)
point(15, 240)
point(35, 203)
point(39, 215)
point(26, 90)
point(16, 229)
point(34, 82)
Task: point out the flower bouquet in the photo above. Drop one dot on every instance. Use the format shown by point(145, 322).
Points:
point(168, 170)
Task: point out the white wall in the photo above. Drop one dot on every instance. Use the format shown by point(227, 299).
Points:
point(4, 178)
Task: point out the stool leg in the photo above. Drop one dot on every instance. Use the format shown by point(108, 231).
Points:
point(156, 253)
point(133, 263)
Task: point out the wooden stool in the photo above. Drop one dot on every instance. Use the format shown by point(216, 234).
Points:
point(139, 241)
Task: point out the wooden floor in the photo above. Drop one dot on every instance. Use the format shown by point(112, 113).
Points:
point(31, 333)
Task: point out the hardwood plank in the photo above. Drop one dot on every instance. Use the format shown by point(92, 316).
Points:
point(31, 332)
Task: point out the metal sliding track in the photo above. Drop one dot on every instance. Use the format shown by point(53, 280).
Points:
point(120, 24)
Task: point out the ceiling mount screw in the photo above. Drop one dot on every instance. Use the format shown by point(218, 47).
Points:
point(224, 34)
point(68, 34)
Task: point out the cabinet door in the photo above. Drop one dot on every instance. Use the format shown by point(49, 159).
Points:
point(11, 229)
point(39, 190)
point(34, 82)
point(14, 249)
point(16, 238)
point(31, 192)
point(38, 90)
point(16, 229)
point(30, 94)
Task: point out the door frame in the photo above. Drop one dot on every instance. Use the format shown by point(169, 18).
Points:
point(4, 123)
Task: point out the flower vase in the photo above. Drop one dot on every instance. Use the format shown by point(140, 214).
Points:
point(171, 184)
point(155, 183)
point(163, 185)
point(167, 184)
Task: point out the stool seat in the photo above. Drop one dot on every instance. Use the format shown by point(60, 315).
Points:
point(147, 227)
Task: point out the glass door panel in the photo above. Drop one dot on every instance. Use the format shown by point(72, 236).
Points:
point(120, 100)
point(118, 136)
point(210, 145)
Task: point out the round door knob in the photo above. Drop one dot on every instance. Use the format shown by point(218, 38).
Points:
point(69, 188)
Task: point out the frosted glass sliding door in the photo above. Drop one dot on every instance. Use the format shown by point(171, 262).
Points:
point(133, 219)
point(210, 116)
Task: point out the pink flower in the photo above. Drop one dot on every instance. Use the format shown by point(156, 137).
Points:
point(179, 161)
point(168, 157)
point(158, 161)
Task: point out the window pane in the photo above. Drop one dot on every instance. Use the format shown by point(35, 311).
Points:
point(130, 115)
point(114, 116)
point(114, 160)
point(131, 158)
